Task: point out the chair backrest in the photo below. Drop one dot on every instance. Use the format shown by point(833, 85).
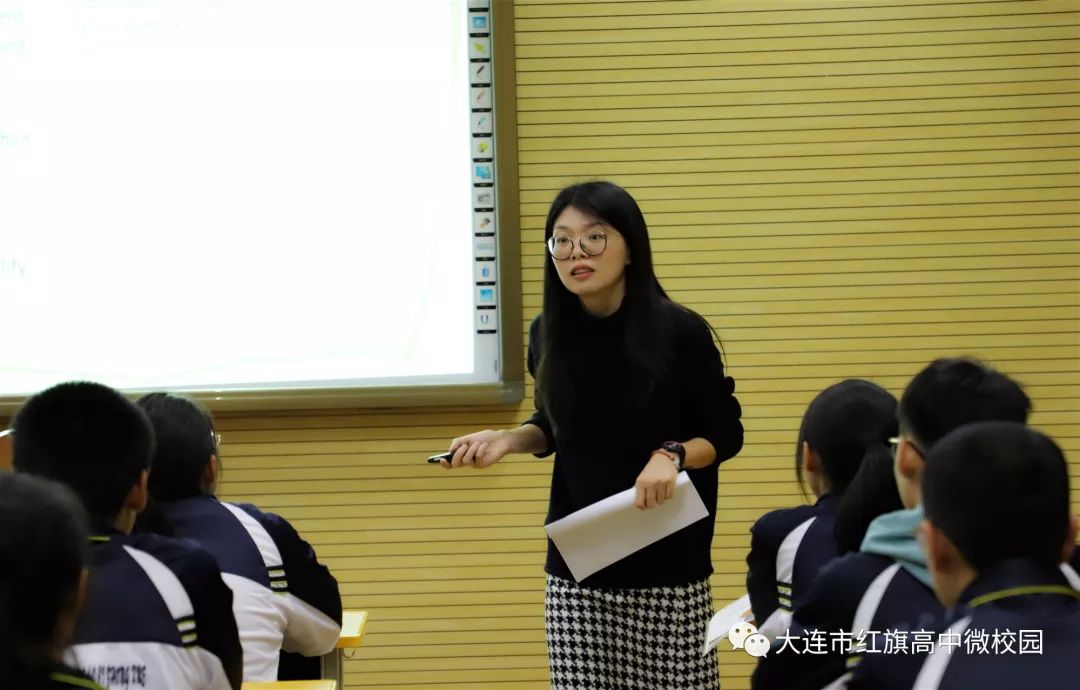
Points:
point(5, 449)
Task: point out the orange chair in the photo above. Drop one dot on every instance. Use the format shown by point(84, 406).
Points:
point(5, 449)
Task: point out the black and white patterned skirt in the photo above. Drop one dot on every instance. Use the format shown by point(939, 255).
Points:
point(628, 639)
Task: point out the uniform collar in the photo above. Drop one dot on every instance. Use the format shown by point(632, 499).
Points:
point(105, 533)
point(1014, 578)
point(829, 501)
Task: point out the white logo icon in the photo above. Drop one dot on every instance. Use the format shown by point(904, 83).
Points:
point(756, 645)
point(739, 632)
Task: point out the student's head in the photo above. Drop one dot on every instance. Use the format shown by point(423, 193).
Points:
point(186, 459)
point(43, 544)
point(944, 396)
point(993, 492)
point(598, 249)
point(845, 424)
point(92, 439)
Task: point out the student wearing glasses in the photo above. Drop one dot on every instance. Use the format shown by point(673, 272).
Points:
point(886, 585)
point(997, 527)
point(630, 391)
point(283, 598)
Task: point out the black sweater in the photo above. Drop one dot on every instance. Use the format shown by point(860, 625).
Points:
point(693, 400)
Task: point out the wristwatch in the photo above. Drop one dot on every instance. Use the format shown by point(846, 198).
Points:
point(677, 452)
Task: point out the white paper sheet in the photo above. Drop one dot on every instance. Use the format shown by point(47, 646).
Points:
point(725, 619)
point(611, 529)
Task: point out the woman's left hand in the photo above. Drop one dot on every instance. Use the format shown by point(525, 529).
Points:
point(656, 483)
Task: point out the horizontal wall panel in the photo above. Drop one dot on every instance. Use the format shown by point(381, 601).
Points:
point(843, 189)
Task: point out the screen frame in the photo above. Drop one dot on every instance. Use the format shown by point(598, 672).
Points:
point(510, 387)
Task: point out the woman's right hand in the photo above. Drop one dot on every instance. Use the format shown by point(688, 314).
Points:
point(481, 449)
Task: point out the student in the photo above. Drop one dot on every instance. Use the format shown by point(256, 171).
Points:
point(996, 498)
point(630, 391)
point(157, 614)
point(846, 425)
point(43, 554)
point(283, 598)
point(887, 585)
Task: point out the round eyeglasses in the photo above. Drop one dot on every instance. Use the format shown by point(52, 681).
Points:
point(561, 246)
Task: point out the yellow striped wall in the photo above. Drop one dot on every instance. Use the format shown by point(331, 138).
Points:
point(845, 188)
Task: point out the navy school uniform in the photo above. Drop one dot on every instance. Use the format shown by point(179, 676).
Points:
point(1010, 597)
point(283, 598)
point(787, 550)
point(858, 591)
point(157, 616)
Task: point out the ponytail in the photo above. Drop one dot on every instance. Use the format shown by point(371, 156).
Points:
point(872, 492)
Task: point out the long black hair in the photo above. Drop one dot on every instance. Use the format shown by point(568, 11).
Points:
point(842, 425)
point(43, 551)
point(848, 426)
point(643, 306)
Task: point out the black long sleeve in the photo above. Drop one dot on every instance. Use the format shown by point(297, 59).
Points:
point(539, 417)
point(606, 453)
point(761, 575)
point(712, 412)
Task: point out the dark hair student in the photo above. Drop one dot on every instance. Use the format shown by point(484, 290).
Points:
point(186, 440)
point(998, 491)
point(997, 528)
point(256, 551)
point(886, 584)
point(89, 437)
point(43, 555)
point(846, 426)
point(630, 390)
point(152, 602)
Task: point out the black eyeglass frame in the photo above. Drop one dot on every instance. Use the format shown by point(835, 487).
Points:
point(550, 244)
point(894, 444)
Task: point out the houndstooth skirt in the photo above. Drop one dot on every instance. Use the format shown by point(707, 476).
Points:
point(629, 639)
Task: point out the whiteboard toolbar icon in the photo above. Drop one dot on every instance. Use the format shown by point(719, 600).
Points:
point(483, 197)
point(479, 48)
point(484, 272)
point(487, 320)
point(482, 147)
point(481, 123)
point(480, 97)
point(480, 73)
point(485, 296)
point(478, 23)
point(482, 172)
point(483, 222)
point(484, 247)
